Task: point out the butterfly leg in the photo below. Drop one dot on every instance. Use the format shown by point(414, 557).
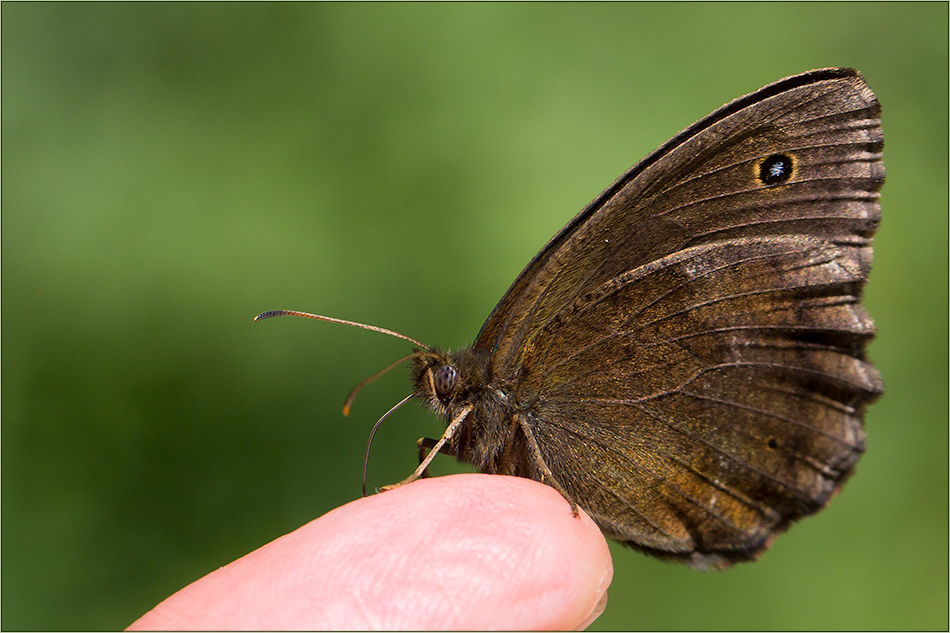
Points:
point(547, 477)
point(506, 465)
point(449, 433)
point(426, 444)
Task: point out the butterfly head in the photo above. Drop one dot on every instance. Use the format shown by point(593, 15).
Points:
point(436, 377)
point(446, 380)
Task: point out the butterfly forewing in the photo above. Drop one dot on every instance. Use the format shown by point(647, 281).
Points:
point(701, 186)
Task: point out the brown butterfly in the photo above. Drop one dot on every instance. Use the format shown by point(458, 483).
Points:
point(685, 359)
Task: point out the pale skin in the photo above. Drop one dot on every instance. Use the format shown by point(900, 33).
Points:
point(470, 552)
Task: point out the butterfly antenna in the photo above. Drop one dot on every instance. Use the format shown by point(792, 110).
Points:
point(369, 442)
point(366, 381)
point(382, 330)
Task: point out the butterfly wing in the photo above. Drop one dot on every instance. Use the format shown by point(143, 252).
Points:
point(691, 345)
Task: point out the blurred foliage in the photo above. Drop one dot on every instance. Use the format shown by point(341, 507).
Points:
point(170, 170)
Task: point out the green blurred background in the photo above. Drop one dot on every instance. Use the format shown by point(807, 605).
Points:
point(171, 170)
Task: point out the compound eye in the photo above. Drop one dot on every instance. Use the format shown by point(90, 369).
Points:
point(444, 379)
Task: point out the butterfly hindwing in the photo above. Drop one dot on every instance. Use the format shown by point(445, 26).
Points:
point(732, 394)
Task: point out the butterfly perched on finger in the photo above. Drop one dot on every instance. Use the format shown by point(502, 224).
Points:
point(685, 359)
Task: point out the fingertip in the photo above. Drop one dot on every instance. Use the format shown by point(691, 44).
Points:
point(459, 552)
point(503, 552)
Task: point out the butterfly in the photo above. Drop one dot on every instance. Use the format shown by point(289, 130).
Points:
point(685, 359)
